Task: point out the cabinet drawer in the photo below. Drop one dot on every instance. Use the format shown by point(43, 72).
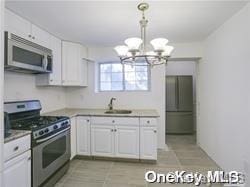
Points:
point(115, 121)
point(148, 121)
point(16, 147)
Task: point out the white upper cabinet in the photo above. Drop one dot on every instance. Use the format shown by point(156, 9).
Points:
point(25, 29)
point(40, 36)
point(74, 67)
point(17, 25)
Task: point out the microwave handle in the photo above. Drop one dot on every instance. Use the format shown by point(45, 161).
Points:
point(45, 62)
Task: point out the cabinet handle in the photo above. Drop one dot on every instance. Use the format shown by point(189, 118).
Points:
point(115, 130)
point(51, 80)
point(155, 131)
point(29, 35)
point(87, 120)
point(33, 37)
point(148, 121)
point(29, 158)
point(16, 148)
point(113, 121)
point(112, 130)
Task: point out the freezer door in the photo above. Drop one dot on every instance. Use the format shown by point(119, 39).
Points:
point(185, 93)
point(171, 93)
point(179, 123)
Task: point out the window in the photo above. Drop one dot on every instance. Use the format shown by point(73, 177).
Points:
point(119, 77)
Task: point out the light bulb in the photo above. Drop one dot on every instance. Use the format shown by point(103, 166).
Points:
point(167, 50)
point(133, 43)
point(122, 50)
point(159, 43)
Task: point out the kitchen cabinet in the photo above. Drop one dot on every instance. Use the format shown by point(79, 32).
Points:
point(17, 171)
point(83, 135)
point(73, 136)
point(74, 68)
point(126, 141)
point(102, 140)
point(25, 29)
point(54, 78)
point(115, 137)
point(17, 163)
point(148, 138)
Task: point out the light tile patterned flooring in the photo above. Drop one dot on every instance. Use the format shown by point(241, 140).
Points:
point(184, 154)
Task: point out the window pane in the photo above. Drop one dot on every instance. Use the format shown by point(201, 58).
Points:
point(130, 76)
point(141, 85)
point(105, 67)
point(117, 68)
point(130, 85)
point(141, 75)
point(105, 86)
point(129, 68)
point(141, 68)
point(117, 86)
point(116, 77)
point(105, 77)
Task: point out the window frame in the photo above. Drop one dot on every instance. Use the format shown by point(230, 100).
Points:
point(123, 79)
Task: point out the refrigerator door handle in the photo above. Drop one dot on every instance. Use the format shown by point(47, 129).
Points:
point(177, 93)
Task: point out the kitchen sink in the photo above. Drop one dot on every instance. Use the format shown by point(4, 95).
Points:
point(118, 112)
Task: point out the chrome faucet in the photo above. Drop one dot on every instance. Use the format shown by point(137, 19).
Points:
point(110, 105)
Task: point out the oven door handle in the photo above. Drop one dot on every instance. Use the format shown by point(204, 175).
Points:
point(45, 139)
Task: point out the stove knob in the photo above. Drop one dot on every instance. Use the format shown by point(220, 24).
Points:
point(55, 127)
point(66, 122)
point(46, 130)
point(41, 132)
point(63, 124)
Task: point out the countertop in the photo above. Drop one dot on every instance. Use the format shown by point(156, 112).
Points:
point(71, 112)
point(15, 134)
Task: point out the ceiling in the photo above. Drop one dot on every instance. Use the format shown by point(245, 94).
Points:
point(108, 23)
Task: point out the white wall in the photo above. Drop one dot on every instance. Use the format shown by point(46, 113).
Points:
point(153, 99)
point(1, 89)
point(224, 90)
point(19, 86)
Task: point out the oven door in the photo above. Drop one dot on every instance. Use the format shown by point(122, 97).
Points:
point(49, 156)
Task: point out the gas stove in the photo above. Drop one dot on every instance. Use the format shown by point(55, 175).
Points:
point(25, 115)
point(50, 139)
point(41, 126)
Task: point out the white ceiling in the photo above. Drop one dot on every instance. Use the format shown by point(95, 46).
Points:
point(108, 23)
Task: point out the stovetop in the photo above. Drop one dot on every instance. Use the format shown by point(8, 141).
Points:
point(38, 122)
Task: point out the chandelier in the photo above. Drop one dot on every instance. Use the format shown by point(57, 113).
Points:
point(134, 52)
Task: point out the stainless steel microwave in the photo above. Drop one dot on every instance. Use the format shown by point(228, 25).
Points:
point(22, 55)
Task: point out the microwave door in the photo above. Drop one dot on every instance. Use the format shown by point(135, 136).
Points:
point(24, 56)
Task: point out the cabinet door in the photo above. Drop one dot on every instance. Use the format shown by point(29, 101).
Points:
point(148, 143)
point(102, 140)
point(71, 59)
point(17, 25)
point(56, 47)
point(17, 171)
point(40, 36)
point(127, 142)
point(83, 135)
point(84, 72)
point(73, 137)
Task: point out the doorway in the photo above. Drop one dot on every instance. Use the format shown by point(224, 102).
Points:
point(180, 102)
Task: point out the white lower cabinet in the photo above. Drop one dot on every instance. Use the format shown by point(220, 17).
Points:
point(73, 137)
point(120, 137)
point(148, 143)
point(102, 140)
point(17, 171)
point(127, 142)
point(83, 136)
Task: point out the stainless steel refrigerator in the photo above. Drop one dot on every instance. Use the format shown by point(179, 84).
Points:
point(179, 105)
